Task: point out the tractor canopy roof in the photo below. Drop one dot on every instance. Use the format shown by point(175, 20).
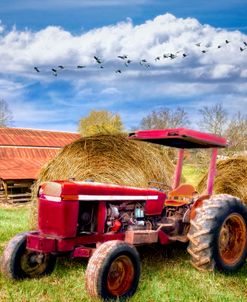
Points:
point(180, 138)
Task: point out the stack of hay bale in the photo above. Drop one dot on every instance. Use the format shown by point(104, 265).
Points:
point(109, 159)
point(231, 178)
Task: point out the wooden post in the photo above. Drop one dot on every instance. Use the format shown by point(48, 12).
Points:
point(3, 191)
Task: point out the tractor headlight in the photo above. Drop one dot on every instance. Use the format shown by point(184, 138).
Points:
point(51, 191)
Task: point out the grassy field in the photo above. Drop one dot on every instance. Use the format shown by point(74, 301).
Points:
point(193, 174)
point(166, 275)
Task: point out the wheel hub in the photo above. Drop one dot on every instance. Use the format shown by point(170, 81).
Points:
point(120, 276)
point(232, 239)
point(33, 263)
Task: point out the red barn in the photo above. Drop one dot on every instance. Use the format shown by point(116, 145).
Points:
point(22, 153)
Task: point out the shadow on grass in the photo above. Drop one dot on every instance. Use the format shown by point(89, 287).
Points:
point(152, 257)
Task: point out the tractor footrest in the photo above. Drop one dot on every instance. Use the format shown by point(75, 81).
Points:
point(82, 252)
point(141, 236)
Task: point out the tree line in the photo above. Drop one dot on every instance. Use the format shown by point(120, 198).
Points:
point(212, 119)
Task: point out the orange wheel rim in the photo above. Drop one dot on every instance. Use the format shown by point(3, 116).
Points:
point(232, 239)
point(120, 276)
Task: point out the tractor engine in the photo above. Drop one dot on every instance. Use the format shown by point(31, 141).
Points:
point(121, 217)
point(176, 219)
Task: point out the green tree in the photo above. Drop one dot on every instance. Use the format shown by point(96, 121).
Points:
point(165, 118)
point(100, 122)
point(5, 114)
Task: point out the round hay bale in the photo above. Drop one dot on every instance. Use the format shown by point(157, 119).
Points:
point(231, 178)
point(109, 159)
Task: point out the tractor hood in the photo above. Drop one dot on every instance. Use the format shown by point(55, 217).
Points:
point(82, 190)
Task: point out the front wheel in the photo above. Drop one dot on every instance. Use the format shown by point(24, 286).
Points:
point(218, 234)
point(18, 263)
point(113, 271)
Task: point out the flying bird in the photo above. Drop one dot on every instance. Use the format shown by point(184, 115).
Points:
point(241, 49)
point(198, 44)
point(204, 51)
point(184, 55)
point(61, 66)
point(157, 59)
point(227, 41)
point(36, 68)
point(118, 71)
point(166, 55)
point(127, 63)
point(123, 57)
point(97, 60)
point(219, 46)
point(80, 66)
point(172, 56)
point(54, 72)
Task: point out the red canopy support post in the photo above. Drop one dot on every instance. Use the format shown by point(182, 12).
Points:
point(212, 171)
point(178, 171)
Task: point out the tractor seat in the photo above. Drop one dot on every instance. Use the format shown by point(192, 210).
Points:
point(180, 196)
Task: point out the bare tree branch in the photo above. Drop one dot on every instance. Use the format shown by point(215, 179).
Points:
point(213, 119)
point(237, 133)
point(165, 118)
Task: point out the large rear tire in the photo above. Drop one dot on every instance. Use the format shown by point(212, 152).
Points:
point(218, 234)
point(18, 263)
point(113, 271)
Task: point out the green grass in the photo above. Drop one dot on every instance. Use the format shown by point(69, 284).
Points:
point(166, 275)
point(193, 174)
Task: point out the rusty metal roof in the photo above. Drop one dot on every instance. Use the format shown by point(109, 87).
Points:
point(23, 163)
point(23, 152)
point(40, 138)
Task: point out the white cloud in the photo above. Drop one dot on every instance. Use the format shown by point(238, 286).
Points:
point(220, 71)
point(224, 71)
point(21, 50)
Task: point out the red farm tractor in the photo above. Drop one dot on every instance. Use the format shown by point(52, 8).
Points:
point(105, 223)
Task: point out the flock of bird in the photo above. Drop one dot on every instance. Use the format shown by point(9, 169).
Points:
point(143, 62)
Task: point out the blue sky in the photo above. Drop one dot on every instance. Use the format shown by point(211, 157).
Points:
point(49, 33)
